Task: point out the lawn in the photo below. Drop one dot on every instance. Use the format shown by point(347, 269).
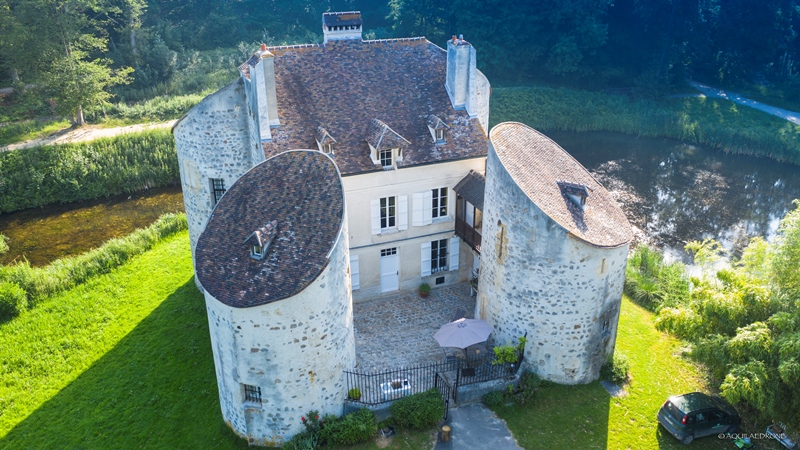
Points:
point(30, 129)
point(123, 361)
point(586, 416)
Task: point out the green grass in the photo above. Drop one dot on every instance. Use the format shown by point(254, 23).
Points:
point(123, 361)
point(586, 416)
point(714, 123)
point(30, 129)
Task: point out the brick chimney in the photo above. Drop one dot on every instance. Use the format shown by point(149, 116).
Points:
point(461, 75)
point(338, 26)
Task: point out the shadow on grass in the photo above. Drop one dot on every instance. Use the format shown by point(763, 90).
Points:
point(155, 389)
point(561, 417)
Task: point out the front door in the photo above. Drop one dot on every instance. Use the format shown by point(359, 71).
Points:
point(390, 270)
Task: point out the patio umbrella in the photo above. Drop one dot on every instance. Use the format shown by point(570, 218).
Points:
point(463, 332)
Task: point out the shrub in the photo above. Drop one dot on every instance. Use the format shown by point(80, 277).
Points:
point(38, 176)
point(62, 274)
point(302, 441)
point(3, 243)
point(616, 368)
point(494, 399)
point(354, 394)
point(418, 411)
point(351, 429)
point(12, 300)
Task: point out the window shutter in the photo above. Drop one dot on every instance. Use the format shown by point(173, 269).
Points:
point(402, 212)
point(425, 260)
point(417, 205)
point(355, 277)
point(376, 217)
point(427, 206)
point(455, 245)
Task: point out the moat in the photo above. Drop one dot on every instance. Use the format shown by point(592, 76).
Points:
point(671, 192)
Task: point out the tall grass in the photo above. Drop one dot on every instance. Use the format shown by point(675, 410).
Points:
point(29, 129)
point(39, 176)
point(157, 109)
point(65, 273)
point(715, 123)
point(654, 283)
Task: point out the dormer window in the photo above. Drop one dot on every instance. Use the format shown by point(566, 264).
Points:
point(324, 140)
point(576, 192)
point(261, 239)
point(385, 145)
point(438, 130)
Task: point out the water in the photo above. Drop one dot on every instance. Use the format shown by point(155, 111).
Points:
point(44, 234)
point(674, 193)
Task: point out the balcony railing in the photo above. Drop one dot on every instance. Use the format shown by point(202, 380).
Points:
point(468, 234)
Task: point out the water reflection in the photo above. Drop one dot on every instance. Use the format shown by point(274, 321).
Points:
point(674, 193)
point(42, 235)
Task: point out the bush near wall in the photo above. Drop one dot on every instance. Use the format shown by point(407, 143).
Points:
point(38, 176)
point(351, 429)
point(714, 123)
point(419, 411)
point(36, 283)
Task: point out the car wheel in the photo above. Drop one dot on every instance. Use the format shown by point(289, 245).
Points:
point(687, 439)
point(732, 429)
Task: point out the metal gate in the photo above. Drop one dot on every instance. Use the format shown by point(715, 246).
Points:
point(445, 390)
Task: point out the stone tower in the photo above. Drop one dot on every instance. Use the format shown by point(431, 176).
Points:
point(553, 257)
point(273, 263)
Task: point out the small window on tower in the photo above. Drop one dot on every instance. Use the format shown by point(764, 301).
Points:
point(252, 394)
point(218, 189)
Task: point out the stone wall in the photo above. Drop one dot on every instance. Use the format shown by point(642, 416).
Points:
point(295, 350)
point(213, 141)
point(538, 279)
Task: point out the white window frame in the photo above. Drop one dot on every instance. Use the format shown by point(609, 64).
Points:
point(436, 203)
point(381, 219)
point(388, 212)
point(383, 158)
point(439, 255)
point(452, 256)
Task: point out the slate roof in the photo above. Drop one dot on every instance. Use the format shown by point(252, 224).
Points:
point(336, 19)
point(537, 164)
point(471, 188)
point(345, 84)
point(302, 191)
point(436, 123)
point(380, 136)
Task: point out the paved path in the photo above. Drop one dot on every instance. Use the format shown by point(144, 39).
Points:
point(475, 426)
point(709, 91)
point(85, 133)
point(397, 330)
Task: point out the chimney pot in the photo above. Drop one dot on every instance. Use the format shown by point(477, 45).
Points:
point(263, 47)
point(454, 38)
point(461, 37)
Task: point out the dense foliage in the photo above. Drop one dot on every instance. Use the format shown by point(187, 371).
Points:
point(39, 176)
point(418, 411)
point(36, 283)
point(616, 368)
point(717, 124)
point(351, 429)
point(743, 319)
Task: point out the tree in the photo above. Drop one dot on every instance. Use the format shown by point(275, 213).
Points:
point(76, 81)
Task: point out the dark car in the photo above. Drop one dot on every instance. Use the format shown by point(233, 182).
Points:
point(695, 415)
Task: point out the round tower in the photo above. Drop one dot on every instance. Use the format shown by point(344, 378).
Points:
point(274, 264)
point(553, 257)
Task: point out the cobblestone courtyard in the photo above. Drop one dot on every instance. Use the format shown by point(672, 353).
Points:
point(397, 330)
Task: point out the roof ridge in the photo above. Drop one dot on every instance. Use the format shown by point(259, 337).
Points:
point(372, 41)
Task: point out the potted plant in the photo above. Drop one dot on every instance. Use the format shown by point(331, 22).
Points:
point(424, 290)
point(354, 394)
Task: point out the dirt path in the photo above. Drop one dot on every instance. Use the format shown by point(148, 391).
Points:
point(85, 133)
point(709, 91)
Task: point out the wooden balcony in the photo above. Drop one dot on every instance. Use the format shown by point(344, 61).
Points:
point(470, 235)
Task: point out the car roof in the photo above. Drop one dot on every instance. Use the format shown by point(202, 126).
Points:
point(693, 402)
